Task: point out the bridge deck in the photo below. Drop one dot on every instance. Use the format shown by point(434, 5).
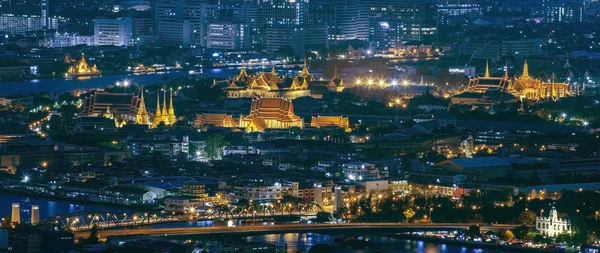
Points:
point(291, 228)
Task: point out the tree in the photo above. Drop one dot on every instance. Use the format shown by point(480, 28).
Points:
point(507, 235)
point(93, 239)
point(322, 217)
point(321, 248)
point(286, 52)
point(527, 217)
point(213, 145)
point(474, 231)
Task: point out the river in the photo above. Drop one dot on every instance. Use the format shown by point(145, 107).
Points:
point(61, 85)
point(302, 242)
point(50, 208)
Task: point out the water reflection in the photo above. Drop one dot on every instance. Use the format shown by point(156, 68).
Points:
point(302, 242)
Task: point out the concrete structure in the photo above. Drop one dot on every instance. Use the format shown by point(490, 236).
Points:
point(16, 213)
point(35, 214)
point(552, 226)
point(478, 169)
point(20, 16)
point(55, 40)
point(113, 32)
point(372, 186)
point(361, 171)
point(266, 190)
point(227, 36)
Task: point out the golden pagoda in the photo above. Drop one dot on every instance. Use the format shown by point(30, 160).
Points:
point(157, 116)
point(142, 115)
point(172, 119)
point(80, 68)
point(164, 115)
point(164, 112)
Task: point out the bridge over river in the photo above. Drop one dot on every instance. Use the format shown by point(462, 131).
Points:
point(389, 228)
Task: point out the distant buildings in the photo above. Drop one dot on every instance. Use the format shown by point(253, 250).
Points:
point(20, 16)
point(113, 32)
point(55, 40)
point(227, 36)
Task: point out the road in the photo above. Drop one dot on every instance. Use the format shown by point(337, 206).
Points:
point(289, 228)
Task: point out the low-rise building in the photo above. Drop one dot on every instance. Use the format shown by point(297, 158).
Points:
point(552, 226)
point(265, 189)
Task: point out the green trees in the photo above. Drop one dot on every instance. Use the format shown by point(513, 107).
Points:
point(527, 217)
point(507, 235)
point(213, 145)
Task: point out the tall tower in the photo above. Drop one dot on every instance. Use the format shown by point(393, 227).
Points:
point(525, 74)
point(16, 213)
point(469, 147)
point(164, 112)
point(35, 214)
point(172, 118)
point(157, 115)
point(142, 115)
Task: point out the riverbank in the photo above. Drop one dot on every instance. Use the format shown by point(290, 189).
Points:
point(482, 245)
point(46, 196)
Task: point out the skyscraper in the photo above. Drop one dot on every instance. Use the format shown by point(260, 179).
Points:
point(19, 16)
point(113, 32)
point(172, 14)
point(285, 12)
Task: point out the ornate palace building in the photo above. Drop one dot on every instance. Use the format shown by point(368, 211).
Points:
point(492, 90)
point(271, 85)
point(164, 115)
point(330, 121)
point(271, 113)
point(268, 113)
point(534, 89)
point(123, 104)
point(80, 68)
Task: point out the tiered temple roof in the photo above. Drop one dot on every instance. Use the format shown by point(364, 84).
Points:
point(142, 115)
point(275, 113)
point(81, 67)
point(214, 119)
point(330, 121)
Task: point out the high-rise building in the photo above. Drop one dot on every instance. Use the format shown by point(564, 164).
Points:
point(251, 15)
point(113, 32)
point(563, 11)
point(197, 13)
point(35, 214)
point(15, 213)
point(143, 31)
point(283, 36)
point(174, 33)
point(19, 16)
point(227, 36)
point(285, 12)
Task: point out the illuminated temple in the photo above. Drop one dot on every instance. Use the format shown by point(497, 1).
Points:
point(164, 115)
point(268, 113)
point(492, 90)
point(271, 85)
point(534, 89)
point(80, 68)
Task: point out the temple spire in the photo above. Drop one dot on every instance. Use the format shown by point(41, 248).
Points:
point(273, 70)
point(506, 70)
point(164, 112)
point(525, 70)
point(335, 73)
point(157, 115)
point(305, 69)
point(142, 115)
point(171, 117)
point(487, 69)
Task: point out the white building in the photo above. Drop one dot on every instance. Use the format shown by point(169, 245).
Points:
point(113, 32)
point(265, 190)
point(361, 171)
point(552, 225)
point(227, 36)
point(65, 40)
